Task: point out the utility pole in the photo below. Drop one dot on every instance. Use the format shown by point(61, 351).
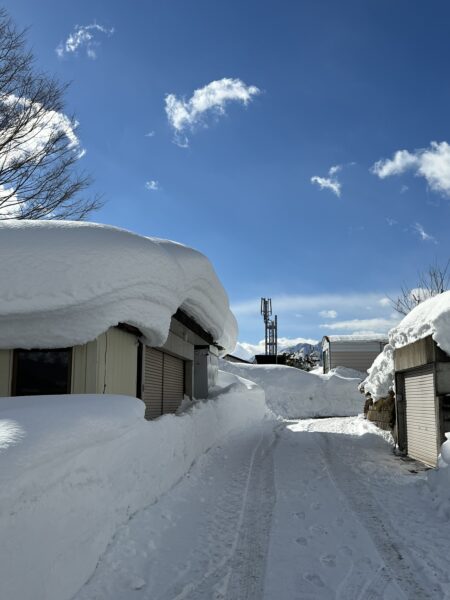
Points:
point(271, 327)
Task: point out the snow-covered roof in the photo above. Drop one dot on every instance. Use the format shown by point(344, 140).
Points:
point(357, 338)
point(430, 317)
point(64, 283)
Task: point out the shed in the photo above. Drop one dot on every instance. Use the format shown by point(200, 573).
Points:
point(352, 351)
point(89, 309)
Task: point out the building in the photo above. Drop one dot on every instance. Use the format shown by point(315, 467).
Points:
point(352, 351)
point(422, 384)
point(90, 309)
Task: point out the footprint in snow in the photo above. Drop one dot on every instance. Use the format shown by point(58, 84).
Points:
point(316, 505)
point(329, 560)
point(339, 521)
point(347, 550)
point(138, 583)
point(300, 515)
point(318, 530)
point(314, 579)
point(302, 541)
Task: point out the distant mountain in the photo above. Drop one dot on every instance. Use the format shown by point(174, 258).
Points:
point(302, 349)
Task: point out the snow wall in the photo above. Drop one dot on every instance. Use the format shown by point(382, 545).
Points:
point(73, 468)
point(439, 481)
point(295, 394)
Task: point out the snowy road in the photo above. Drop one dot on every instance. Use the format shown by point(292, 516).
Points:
point(301, 510)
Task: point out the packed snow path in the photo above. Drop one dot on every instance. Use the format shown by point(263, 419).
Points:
point(297, 510)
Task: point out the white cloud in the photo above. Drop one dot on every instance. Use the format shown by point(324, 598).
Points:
point(41, 126)
point(404, 189)
point(391, 222)
point(150, 134)
point(83, 36)
point(328, 314)
point(380, 325)
point(432, 163)
point(152, 185)
point(331, 182)
point(424, 236)
point(384, 302)
point(184, 115)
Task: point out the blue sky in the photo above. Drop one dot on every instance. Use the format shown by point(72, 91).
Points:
point(317, 85)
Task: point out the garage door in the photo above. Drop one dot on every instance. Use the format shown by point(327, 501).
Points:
point(163, 385)
point(421, 418)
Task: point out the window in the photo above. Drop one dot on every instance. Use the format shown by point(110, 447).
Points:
point(41, 372)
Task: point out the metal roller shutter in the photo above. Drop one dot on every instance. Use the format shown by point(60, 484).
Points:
point(421, 418)
point(173, 383)
point(163, 388)
point(153, 383)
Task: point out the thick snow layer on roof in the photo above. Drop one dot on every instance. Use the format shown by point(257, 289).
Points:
point(64, 283)
point(381, 375)
point(431, 317)
point(357, 338)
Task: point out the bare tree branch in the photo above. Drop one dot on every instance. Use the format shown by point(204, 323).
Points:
point(435, 280)
point(39, 150)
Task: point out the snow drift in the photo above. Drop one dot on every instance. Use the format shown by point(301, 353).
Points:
point(67, 282)
point(439, 481)
point(380, 380)
point(73, 468)
point(295, 394)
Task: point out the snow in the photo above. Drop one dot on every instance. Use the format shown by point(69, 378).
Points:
point(281, 510)
point(430, 317)
point(439, 481)
point(292, 393)
point(380, 379)
point(74, 468)
point(357, 338)
point(68, 282)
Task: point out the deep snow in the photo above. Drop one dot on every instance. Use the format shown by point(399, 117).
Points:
point(314, 509)
point(68, 282)
point(292, 393)
point(73, 468)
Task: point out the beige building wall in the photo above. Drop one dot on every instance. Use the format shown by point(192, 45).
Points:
point(6, 363)
point(108, 365)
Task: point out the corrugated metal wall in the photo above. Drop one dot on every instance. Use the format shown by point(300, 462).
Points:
point(6, 361)
point(359, 359)
point(163, 382)
point(422, 423)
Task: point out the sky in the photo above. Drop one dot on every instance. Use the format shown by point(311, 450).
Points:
point(302, 146)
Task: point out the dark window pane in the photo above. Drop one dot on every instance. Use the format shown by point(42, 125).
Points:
point(42, 372)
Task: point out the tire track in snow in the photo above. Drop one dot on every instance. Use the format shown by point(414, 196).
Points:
point(396, 573)
point(239, 573)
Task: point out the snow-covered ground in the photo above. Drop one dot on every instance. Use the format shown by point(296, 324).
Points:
point(74, 468)
point(292, 393)
point(313, 509)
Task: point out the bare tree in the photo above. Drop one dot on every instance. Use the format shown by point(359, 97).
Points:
point(38, 145)
point(435, 280)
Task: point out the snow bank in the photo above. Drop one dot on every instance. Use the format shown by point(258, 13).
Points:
point(73, 468)
point(67, 282)
point(381, 375)
point(439, 481)
point(295, 394)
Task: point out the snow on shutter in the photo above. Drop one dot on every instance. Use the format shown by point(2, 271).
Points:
point(173, 383)
point(421, 419)
point(153, 383)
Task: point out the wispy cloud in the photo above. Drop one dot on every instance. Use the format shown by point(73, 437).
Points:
point(152, 185)
point(83, 37)
point(331, 182)
point(391, 222)
point(432, 163)
point(150, 134)
point(424, 236)
point(380, 325)
point(314, 302)
point(328, 314)
point(184, 115)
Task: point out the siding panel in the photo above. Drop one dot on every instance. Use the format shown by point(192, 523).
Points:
point(153, 383)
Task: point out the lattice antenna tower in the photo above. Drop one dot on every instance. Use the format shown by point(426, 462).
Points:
point(271, 327)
